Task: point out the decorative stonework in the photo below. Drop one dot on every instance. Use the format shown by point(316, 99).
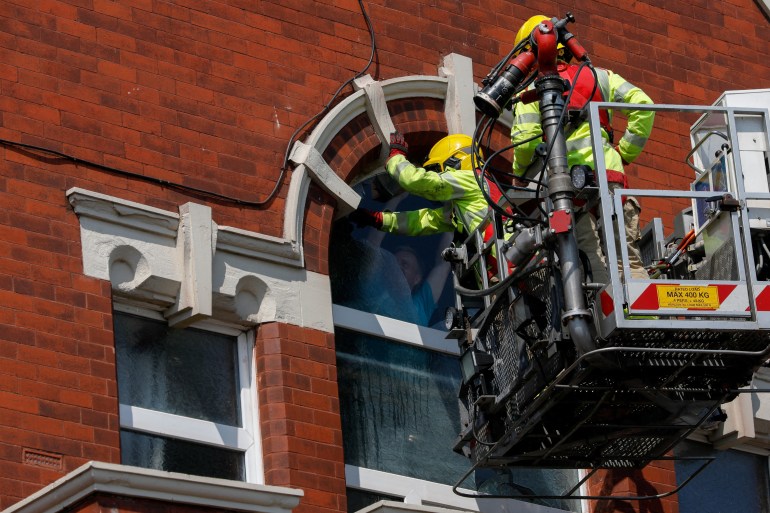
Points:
point(188, 268)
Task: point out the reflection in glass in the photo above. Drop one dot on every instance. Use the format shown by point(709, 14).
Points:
point(368, 278)
point(186, 372)
point(521, 481)
point(161, 453)
point(399, 408)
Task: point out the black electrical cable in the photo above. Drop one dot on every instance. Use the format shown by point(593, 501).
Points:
point(521, 217)
point(194, 190)
point(486, 174)
point(501, 285)
point(328, 105)
point(36, 150)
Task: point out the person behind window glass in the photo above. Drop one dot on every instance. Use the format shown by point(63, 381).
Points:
point(425, 291)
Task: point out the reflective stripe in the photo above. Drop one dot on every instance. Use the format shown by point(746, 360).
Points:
point(518, 133)
point(451, 180)
point(478, 214)
point(529, 117)
point(400, 168)
point(604, 86)
point(636, 140)
point(470, 220)
point(604, 83)
point(578, 144)
point(582, 144)
point(622, 91)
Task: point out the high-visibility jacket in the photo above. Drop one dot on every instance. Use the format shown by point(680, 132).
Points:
point(464, 206)
point(614, 88)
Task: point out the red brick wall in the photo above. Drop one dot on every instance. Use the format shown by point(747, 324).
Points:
point(206, 95)
point(299, 414)
point(58, 405)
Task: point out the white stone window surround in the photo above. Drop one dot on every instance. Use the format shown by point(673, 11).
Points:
point(183, 268)
point(242, 439)
point(189, 269)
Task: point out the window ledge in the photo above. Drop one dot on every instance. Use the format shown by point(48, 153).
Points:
point(95, 477)
point(402, 507)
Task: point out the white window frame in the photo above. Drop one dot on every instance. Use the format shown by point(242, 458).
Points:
point(240, 439)
point(412, 490)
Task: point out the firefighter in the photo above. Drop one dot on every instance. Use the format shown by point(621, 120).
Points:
point(611, 87)
point(446, 176)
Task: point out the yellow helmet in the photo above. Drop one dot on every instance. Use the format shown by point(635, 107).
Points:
point(527, 28)
point(456, 146)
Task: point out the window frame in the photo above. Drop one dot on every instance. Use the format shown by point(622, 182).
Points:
point(413, 490)
point(243, 439)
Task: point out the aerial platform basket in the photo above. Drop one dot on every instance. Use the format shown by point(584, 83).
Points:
point(668, 350)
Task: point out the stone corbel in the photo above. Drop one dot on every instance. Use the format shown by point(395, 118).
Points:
point(189, 269)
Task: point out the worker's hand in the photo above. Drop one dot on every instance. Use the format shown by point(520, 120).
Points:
point(362, 217)
point(398, 144)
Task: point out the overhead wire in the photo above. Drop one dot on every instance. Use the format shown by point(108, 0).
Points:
point(37, 150)
point(328, 105)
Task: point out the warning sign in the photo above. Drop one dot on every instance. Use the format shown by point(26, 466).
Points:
point(702, 297)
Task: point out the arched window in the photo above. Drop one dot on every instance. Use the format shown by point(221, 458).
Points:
point(398, 373)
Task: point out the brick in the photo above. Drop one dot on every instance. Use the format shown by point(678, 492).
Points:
point(118, 71)
point(309, 368)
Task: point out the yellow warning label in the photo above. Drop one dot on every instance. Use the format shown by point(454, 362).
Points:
point(704, 297)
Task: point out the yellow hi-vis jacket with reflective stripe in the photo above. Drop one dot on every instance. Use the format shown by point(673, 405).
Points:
point(464, 205)
point(614, 88)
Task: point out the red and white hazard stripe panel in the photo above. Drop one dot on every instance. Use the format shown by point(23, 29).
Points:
point(762, 297)
point(680, 297)
point(762, 302)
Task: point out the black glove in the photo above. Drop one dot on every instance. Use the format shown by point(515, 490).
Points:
point(398, 144)
point(363, 217)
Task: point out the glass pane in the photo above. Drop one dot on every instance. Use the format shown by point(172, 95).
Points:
point(736, 481)
point(359, 499)
point(399, 408)
point(160, 453)
point(400, 415)
point(392, 275)
point(186, 372)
